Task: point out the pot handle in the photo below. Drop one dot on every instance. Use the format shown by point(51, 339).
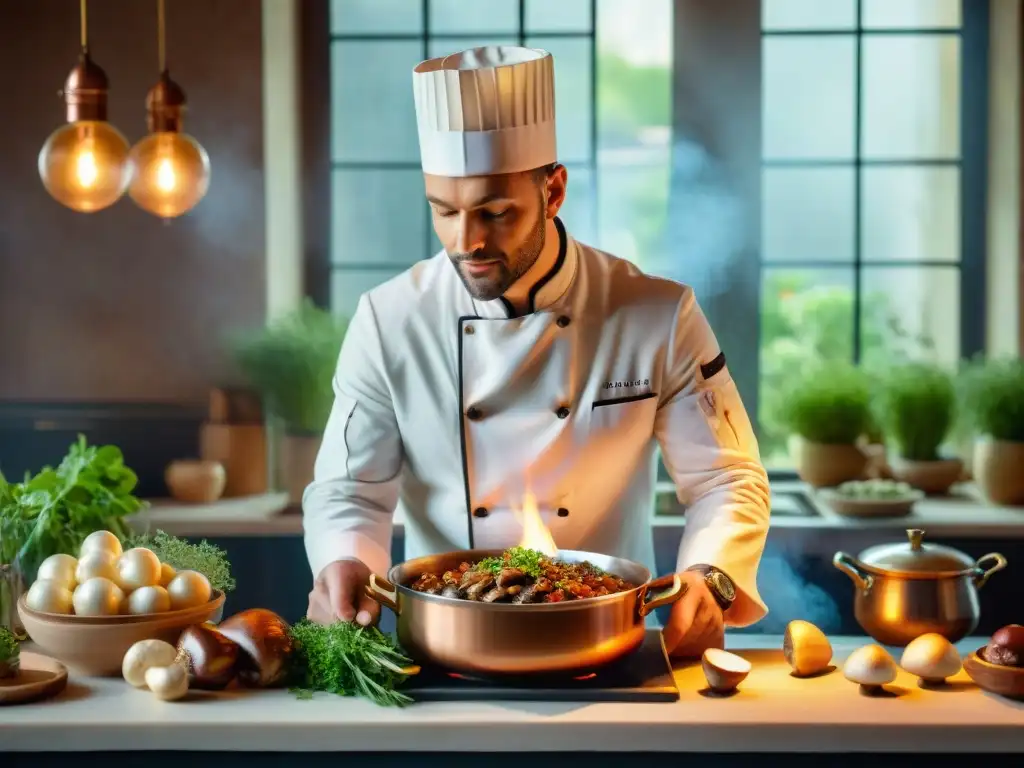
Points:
point(676, 588)
point(383, 591)
point(853, 568)
point(980, 574)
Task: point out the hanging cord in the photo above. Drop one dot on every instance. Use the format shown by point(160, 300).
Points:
point(161, 45)
point(84, 27)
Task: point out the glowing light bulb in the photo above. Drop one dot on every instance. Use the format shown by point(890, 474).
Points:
point(170, 173)
point(83, 165)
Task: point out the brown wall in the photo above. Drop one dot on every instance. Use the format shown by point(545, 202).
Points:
point(118, 306)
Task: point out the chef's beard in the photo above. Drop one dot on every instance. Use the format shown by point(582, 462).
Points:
point(506, 270)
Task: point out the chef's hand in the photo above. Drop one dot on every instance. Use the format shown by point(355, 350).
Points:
point(696, 622)
point(338, 593)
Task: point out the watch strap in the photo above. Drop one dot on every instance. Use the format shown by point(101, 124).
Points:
point(718, 583)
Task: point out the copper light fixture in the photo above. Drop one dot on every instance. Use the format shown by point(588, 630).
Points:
point(170, 170)
point(83, 165)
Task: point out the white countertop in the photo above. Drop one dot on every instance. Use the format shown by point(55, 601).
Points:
point(772, 712)
point(963, 514)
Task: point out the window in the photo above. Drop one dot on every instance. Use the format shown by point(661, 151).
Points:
point(872, 187)
point(613, 98)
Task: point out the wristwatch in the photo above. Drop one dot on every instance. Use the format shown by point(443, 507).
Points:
point(720, 585)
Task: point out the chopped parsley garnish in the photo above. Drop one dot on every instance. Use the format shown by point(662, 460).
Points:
point(529, 561)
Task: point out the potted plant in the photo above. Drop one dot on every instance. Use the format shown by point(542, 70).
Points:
point(917, 407)
point(827, 410)
point(992, 394)
point(291, 363)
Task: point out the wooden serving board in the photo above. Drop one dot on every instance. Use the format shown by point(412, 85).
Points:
point(39, 677)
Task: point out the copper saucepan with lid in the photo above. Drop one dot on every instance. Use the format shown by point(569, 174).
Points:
point(495, 639)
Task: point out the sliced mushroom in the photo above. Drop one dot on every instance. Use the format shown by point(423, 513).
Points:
point(510, 576)
point(497, 594)
point(479, 588)
point(266, 645)
point(210, 656)
point(535, 591)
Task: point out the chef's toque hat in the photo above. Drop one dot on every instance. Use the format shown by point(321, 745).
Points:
point(486, 111)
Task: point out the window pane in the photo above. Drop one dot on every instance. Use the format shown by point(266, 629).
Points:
point(373, 116)
point(376, 17)
point(807, 214)
point(578, 209)
point(911, 96)
point(474, 17)
point(808, 97)
point(574, 107)
point(806, 318)
point(911, 313)
point(808, 14)
point(366, 205)
point(561, 16)
point(347, 285)
point(633, 213)
point(911, 213)
point(443, 46)
point(894, 14)
point(634, 77)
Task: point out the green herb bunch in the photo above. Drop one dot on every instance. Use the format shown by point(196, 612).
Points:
point(830, 404)
point(992, 398)
point(9, 649)
point(55, 510)
point(204, 557)
point(348, 660)
point(291, 363)
point(918, 409)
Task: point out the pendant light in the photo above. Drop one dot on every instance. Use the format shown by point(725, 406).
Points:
point(170, 170)
point(83, 165)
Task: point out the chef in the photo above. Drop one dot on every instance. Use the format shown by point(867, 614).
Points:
point(518, 364)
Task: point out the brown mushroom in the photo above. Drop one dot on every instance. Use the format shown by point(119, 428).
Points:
point(211, 656)
point(266, 643)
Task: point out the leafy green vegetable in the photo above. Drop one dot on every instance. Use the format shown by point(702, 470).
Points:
point(918, 408)
point(55, 510)
point(9, 650)
point(829, 404)
point(348, 660)
point(204, 557)
point(992, 396)
point(875, 489)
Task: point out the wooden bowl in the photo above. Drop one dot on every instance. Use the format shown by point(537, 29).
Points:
point(96, 645)
point(995, 678)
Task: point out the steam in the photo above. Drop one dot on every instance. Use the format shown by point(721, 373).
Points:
point(789, 596)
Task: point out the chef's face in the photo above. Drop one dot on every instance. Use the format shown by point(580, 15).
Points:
point(493, 227)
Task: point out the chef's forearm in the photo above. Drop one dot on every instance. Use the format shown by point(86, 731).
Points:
point(726, 527)
point(339, 527)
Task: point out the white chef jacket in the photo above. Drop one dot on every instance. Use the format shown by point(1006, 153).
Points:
point(450, 408)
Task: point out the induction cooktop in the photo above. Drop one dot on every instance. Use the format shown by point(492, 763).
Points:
point(644, 675)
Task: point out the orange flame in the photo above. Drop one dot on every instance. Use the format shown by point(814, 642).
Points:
point(535, 533)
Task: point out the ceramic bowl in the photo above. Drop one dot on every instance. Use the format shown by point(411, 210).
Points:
point(195, 481)
point(995, 678)
point(851, 506)
point(96, 645)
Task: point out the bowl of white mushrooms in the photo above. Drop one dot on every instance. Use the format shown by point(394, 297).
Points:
point(89, 610)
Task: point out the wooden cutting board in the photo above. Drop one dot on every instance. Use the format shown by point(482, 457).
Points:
point(39, 677)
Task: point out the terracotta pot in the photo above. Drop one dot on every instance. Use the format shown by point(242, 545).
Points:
point(999, 470)
point(195, 481)
point(824, 465)
point(932, 477)
point(297, 456)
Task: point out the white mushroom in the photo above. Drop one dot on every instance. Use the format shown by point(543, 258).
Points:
point(931, 657)
point(143, 655)
point(723, 670)
point(870, 666)
point(806, 648)
point(168, 683)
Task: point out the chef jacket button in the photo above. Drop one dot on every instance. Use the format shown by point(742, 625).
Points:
point(563, 512)
point(563, 321)
point(469, 330)
point(473, 413)
point(480, 512)
point(562, 413)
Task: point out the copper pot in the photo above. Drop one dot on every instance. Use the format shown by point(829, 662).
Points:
point(494, 639)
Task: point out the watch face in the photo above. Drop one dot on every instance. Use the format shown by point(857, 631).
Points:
point(723, 586)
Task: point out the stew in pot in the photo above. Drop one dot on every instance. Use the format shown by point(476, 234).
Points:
point(521, 575)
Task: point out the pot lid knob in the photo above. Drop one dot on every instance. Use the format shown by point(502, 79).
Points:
point(916, 535)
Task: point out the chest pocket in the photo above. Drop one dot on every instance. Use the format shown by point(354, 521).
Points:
point(628, 417)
